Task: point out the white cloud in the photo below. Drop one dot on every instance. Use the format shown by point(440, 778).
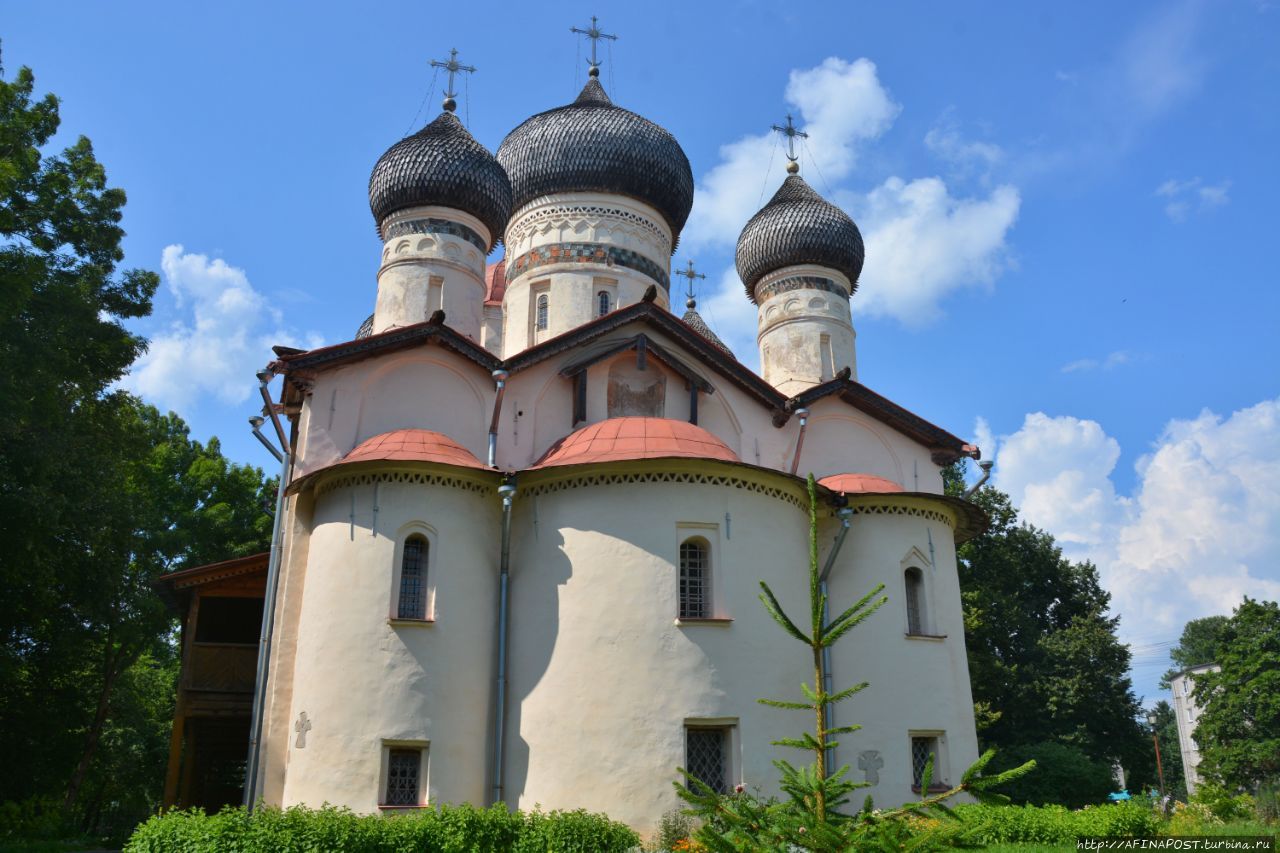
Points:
point(215, 352)
point(1159, 65)
point(1112, 361)
point(1184, 196)
point(840, 103)
point(1201, 529)
point(965, 157)
point(923, 243)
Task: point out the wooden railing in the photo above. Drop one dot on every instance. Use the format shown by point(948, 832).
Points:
point(222, 667)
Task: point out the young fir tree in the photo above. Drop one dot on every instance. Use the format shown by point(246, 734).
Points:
point(810, 819)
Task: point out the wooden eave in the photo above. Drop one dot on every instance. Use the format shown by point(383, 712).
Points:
point(173, 586)
point(640, 343)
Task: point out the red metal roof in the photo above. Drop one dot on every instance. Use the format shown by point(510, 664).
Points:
point(416, 445)
point(850, 484)
point(495, 281)
point(618, 439)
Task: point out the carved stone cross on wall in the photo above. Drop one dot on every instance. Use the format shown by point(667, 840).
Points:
point(869, 763)
point(302, 727)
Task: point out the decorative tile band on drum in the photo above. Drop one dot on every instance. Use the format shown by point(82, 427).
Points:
point(671, 477)
point(435, 226)
point(899, 509)
point(414, 478)
point(800, 282)
point(587, 253)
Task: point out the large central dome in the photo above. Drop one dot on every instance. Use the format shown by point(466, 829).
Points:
point(591, 145)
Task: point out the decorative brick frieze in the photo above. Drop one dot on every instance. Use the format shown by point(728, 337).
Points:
point(586, 253)
point(434, 226)
point(800, 282)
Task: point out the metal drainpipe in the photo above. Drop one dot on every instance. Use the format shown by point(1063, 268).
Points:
point(268, 608)
point(844, 514)
point(803, 415)
point(985, 465)
point(508, 493)
point(500, 379)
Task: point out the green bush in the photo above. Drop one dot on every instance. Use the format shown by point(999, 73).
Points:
point(1054, 824)
point(1267, 801)
point(1063, 776)
point(1223, 805)
point(447, 829)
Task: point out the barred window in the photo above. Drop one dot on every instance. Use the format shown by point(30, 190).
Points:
point(922, 749)
point(706, 756)
point(404, 766)
point(540, 322)
point(413, 579)
point(915, 601)
point(695, 579)
point(602, 303)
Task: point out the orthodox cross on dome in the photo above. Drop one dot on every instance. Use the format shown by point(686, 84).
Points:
point(594, 33)
point(453, 66)
point(790, 132)
point(691, 275)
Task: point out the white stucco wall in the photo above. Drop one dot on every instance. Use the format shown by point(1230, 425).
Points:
point(410, 264)
point(805, 334)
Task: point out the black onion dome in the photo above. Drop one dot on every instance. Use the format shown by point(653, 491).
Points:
point(593, 146)
point(798, 226)
point(443, 165)
point(694, 321)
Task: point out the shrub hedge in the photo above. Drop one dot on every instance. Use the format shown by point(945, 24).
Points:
point(447, 829)
point(1055, 824)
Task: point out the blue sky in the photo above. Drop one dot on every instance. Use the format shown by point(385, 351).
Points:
point(1070, 218)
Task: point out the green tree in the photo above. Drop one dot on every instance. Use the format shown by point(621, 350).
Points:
point(1198, 645)
point(1044, 660)
point(1166, 730)
point(1239, 728)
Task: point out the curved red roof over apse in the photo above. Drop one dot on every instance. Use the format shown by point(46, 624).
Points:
point(413, 445)
point(618, 439)
point(852, 484)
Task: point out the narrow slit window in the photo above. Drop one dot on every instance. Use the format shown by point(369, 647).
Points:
point(540, 321)
point(915, 602)
point(413, 579)
point(695, 580)
point(602, 303)
point(404, 767)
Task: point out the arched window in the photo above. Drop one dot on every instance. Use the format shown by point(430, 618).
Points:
point(413, 579)
point(602, 303)
point(914, 582)
point(695, 579)
point(540, 321)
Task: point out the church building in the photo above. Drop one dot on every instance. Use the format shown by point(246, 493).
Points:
point(528, 506)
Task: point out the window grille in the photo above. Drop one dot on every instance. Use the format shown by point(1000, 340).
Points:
point(922, 749)
point(915, 624)
point(602, 303)
point(403, 766)
point(413, 580)
point(705, 755)
point(541, 319)
point(695, 592)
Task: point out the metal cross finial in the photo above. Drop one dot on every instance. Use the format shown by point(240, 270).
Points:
point(453, 66)
point(691, 275)
point(791, 133)
point(594, 33)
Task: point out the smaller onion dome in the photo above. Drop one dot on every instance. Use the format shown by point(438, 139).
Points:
point(591, 145)
point(366, 328)
point(798, 226)
point(620, 439)
point(442, 165)
point(413, 445)
point(694, 321)
point(852, 484)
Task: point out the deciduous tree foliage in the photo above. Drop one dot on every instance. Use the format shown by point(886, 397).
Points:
point(1239, 727)
point(98, 493)
point(1198, 645)
point(1044, 660)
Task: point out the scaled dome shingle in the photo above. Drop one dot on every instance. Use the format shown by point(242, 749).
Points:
point(591, 145)
point(798, 226)
point(442, 165)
